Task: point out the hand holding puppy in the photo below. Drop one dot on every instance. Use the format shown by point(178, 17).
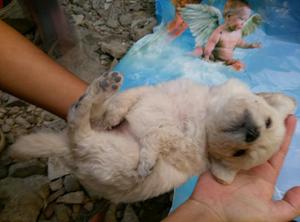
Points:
point(248, 198)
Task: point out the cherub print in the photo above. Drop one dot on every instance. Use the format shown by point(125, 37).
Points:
point(216, 40)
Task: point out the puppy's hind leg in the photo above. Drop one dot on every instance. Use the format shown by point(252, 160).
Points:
point(98, 91)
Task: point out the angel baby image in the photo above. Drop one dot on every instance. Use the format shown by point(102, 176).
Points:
point(216, 41)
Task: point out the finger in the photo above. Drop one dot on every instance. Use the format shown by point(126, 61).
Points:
point(289, 207)
point(277, 160)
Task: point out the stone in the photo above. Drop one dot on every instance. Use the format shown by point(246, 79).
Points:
point(72, 198)
point(30, 108)
point(141, 27)
point(23, 122)
point(78, 19)
point(110, 215)
point(56, 185)
point(75, 211)
point(10, 121)
point(56, 194)
point(28, 168)
point(56, 168)
point(2, 110)
point(129, 215)
point(125, 19)
point(14, 110)
point(62, 213)
point(24, 198)
point(6, 128)
point(3, 172)
point(49, 211)
point(115, 47)
point(71, 183)
point(89, 206)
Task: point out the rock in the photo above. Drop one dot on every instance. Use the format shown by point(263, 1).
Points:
point(28, 168)
point(115, 47)
point(24, 198)
point(79, 2)
point(10, 121)
point(72, 198)
point(2, 110)
point(142, 27)
point(75, 211)
point(14, 110)
point(56, 168)
point(18, 103)
point(71, 183)
point(56, 194)
point(30, 108)
point(2, 141)
point(23, 122)
point(6, 128)
point(49, 211)
point(89, 206)
point(3, 172)
point(125, 19)
point(56, 185)
point(78, 19)
point(110, 215)
point(62, 213)
point(129, 215)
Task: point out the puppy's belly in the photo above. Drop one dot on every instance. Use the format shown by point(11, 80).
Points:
point(124, 129)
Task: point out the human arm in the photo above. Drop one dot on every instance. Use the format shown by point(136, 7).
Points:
point(247, 199)
point(28, 73)
point(243, 44)
point(212, 42)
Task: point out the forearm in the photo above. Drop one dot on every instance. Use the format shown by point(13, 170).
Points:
point(192, 211)
point(244, 45)
point(28, 73)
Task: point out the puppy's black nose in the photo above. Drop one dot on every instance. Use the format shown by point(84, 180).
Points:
point(252, 133)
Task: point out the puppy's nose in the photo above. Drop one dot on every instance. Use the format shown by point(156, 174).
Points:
point(252, 133)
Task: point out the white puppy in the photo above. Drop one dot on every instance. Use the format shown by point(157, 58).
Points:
point(145, 141)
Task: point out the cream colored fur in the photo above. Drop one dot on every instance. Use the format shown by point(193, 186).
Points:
point(145, 141)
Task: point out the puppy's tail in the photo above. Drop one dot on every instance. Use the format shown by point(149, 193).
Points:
point(39, 145)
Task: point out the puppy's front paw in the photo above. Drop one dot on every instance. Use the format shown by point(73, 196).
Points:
point(144, 169)
point(108, 83)
point(113, 116)
point(222, 173)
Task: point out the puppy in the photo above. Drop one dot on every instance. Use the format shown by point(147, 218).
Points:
point(145, 141)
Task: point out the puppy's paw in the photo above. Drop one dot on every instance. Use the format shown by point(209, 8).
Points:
point(108, 83)
point(222, 173)
point(113, 116)
point(144, 169)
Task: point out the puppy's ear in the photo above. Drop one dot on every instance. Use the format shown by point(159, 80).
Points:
point(283, 104)
point(222, 173)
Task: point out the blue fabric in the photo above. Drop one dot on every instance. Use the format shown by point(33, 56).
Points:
point(274, 67)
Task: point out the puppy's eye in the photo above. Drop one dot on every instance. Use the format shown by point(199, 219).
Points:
point(268, 123)
point(239, 153)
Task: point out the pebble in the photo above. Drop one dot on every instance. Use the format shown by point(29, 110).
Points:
point(56, 184)
point(72, 198)
point(14, 110)
point(23, 122)
point(28, 168)
point(6, 128)
point(71, 184)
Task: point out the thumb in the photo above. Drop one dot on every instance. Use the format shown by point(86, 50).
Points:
point(289, 207)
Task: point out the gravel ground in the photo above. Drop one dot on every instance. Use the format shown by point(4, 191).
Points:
point(41, 189)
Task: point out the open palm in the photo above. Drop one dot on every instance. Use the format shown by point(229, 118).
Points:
point(249, 197)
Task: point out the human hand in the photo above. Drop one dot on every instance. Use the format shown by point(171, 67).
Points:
point(249, 197)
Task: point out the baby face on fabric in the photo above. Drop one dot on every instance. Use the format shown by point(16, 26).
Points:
point(236, 18)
